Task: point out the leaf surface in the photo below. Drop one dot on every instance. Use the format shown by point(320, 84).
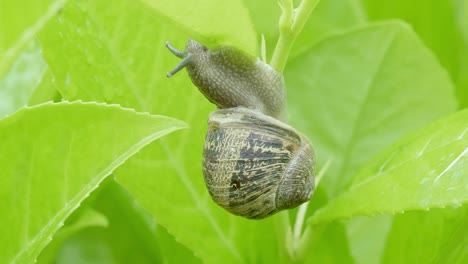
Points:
point(18, 26)
point(21, 80)
point(356, 92)
point(445, 229)
point(53, 156)
point(427, 169)
point(216, 22)
point(165, 177)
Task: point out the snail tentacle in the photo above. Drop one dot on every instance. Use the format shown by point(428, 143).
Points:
point(186, 61)
point(178, 53)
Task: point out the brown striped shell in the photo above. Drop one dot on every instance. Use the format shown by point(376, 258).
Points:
point(255, 165)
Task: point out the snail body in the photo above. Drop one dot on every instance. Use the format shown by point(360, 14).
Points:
point(229, 77)
point(254, 164)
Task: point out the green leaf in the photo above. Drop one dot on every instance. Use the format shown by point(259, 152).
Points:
point(357, 92)
point(134, 234)
point(89, 61)
point(131, 234)
point(427, 169)
point(165, 177)
point(367, 237)
point(53, 156)
point(433, 20)
point(330, 16)
point(322, 244)
point(179, 201)
point(265, 16)
point(440, 24)
point(88, 246)
point(83, 61)
point(462, 24)
point(436, 236)
point(210, 21)
point(436, 23)
point(82, 218)
point(21, 80)
point(45, 91)
point(19, 24)
point(173, 251)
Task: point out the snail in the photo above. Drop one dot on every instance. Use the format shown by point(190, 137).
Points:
point(254, 163)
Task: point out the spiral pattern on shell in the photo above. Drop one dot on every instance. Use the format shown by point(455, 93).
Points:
point(254, 165)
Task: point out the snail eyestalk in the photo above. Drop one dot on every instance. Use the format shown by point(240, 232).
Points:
point(175, 51)
point(187, 60)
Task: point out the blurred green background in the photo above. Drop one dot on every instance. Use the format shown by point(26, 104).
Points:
point(361, 75)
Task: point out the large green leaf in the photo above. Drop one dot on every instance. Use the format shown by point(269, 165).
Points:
point(89, 60)
point(329, 17)
point(427, 169)
point(53, 156)
point(462, 23)
point(129, 220)
point(81, 219)
point(171, 250)
point(130, 234)
point(433, 20)
point(356, 92)
point(367, 237)
point(45, 91)
point(441, 25)
point(436, 23)
point(19, 24)
point(213, 21)
point(166, 176)
point(320, 244)
point(436, 236)
point(181, 203)
point(265, 16)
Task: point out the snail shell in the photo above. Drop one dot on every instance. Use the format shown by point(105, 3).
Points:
point(255, 165)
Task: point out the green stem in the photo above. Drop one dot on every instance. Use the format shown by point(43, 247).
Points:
point(296, 237)
point(291, 23)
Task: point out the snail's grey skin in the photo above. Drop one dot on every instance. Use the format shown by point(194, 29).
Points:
point(229, 77)
point(254, 165)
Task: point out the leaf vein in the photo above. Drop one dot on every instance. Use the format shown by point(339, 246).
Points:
point(451, 164)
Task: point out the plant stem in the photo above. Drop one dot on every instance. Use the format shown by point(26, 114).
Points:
point(296, 239)
point(299, 221)
point(291, 23)
point(322, 172)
